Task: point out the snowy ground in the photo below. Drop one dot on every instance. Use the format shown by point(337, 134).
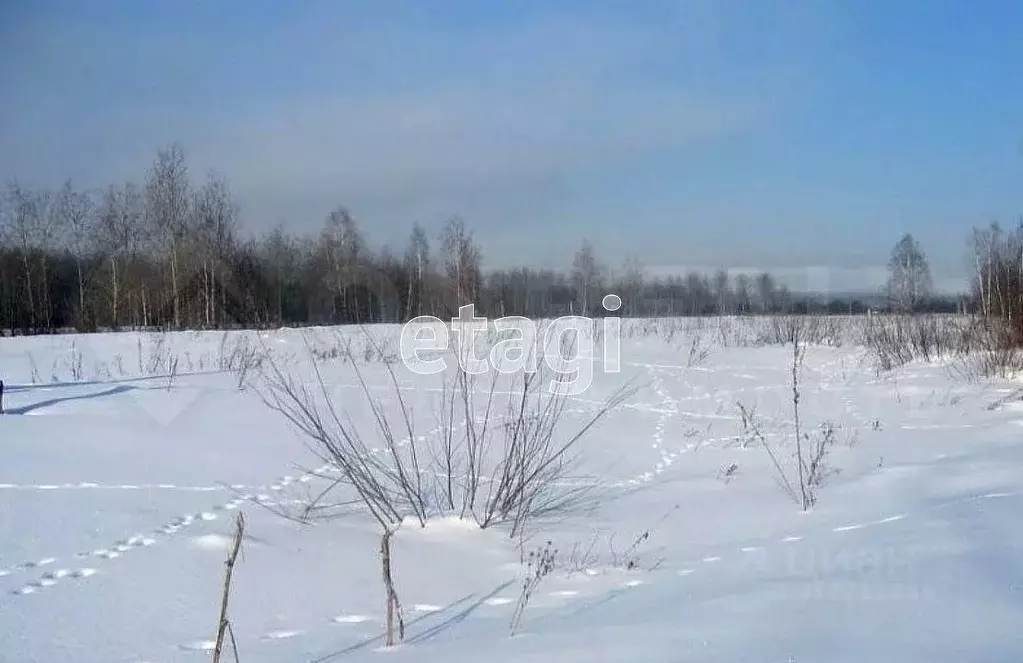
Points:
point(118, 485)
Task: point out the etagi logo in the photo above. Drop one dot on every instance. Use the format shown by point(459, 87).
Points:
point(516, 344)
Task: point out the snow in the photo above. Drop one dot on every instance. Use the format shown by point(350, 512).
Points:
point(121, 479)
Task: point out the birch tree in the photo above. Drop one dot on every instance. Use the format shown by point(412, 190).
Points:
point(909, 276)
point(461, 262)
point(417, 263)
point(214, 217)
point(167, 210)
point(77, 214)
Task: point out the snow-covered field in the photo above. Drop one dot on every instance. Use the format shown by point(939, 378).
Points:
point(126, 456)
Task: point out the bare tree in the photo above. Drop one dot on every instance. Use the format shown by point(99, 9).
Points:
point(23, 219)
point(214, 217)
point(631, 285)
point(998, 279)
point(587, 278)
point(280, 255)
point(909, 276)
point(743, 295)
point(417, 263)
point(766, 290)
point(461, 262)
point(722, 292)
point(342, 246)
point(167, 210)
point(77, 213)
point(118, 232)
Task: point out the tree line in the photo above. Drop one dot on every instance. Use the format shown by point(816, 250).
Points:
point(169, 252)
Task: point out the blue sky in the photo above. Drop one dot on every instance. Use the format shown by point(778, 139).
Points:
point(792, 136)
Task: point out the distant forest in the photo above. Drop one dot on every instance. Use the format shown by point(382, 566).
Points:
point(168, 253)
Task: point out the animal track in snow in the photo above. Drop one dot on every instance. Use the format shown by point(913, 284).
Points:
point(50, 579)
point(426, 607)
point(114, 551)
point(568, 594)
point(125, 545)
point(85, 485)
point(352, 619)
point(43, 562)
point(200, 645)
point(106, 554)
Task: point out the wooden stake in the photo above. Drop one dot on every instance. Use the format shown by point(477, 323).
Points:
point(224, 626)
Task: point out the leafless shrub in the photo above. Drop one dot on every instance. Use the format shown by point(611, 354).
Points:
point(978, 347)
point(539, 564)
point(497, 470)
point(698, 352)
point(994, 352)
point(581, 559)
point(172, 373)
point(589, 558)
point(727, 332)
point(240, 358)
point(629, 559)
point(525, 453)
point(753, 428)
point(153, 357)
point(76, 364)
point(804, 329)
point(378, 352)
point(390, 492)
point(895, 340)
point(810, 450)
point(810, 458)
point(101, 370)
point(997, 360)
point(748, 432)
point(222, 353)
point(817, 469)
point(728, 472)
point(341, 349)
